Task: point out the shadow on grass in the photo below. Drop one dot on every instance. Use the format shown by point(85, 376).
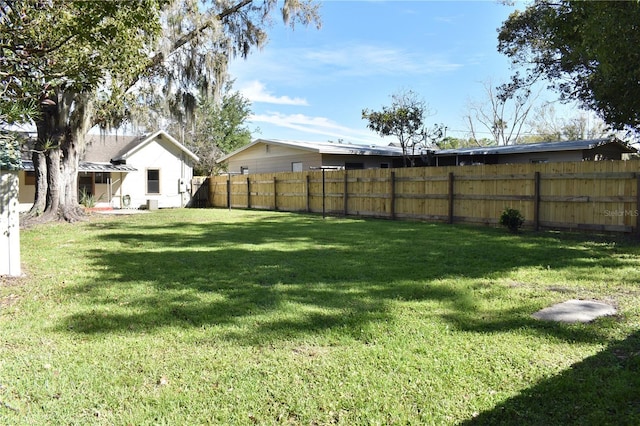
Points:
point(278, 276)
point(600, 390)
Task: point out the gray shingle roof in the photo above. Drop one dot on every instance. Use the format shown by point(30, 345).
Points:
point(104, 148)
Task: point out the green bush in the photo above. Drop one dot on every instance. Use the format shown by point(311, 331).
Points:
point(512, 219)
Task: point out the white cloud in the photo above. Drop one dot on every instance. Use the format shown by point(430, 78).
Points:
point(367, 59)
point(315, 125)
point(255, 91)
point(300, 67)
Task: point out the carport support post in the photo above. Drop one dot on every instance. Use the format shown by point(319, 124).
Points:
point(275, 194)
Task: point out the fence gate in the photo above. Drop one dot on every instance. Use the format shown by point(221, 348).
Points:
point(200, 192)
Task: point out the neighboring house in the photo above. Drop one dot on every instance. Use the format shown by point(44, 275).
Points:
point(543, 152)
point(267, 156)
point(150, 171)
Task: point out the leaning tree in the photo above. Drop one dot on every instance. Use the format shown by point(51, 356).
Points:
point(89, 63)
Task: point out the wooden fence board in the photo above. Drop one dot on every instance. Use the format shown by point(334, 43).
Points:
point(598, 196)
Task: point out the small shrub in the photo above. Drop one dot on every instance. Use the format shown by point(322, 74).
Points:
point(88, 200)
point(512, 219)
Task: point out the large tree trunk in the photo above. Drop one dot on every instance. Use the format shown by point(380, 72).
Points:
point(61, 128)
point(73, 148)
point(53, 180)
point(45, 125)
point(40, 169)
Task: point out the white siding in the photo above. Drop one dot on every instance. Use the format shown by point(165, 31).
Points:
point(174, 166)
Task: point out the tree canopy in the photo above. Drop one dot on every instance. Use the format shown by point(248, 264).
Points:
point(588, 50)
point(217, 127)
point(405, 119)
point(86, 63)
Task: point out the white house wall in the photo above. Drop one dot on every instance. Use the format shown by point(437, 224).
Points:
point(174, 166)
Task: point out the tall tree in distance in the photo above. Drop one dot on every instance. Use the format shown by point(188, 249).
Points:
point(216, 127)
point(547, 126)
point(405, 119)
point(504, 117)
point(220, 129)
point(587, 50)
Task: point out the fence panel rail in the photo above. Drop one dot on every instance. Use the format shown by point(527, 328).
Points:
point(589, 195)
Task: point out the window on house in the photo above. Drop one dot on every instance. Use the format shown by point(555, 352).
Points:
point(244, 170)
point(384, 165)
point(539, 160)
point(296, 166)
point(153, 181)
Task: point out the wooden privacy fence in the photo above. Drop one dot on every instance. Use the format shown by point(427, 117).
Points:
point(589, 195)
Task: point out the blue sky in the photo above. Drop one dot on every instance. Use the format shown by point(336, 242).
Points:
point(312, 85)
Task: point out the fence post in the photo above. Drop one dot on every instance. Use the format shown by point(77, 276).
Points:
point(248, 193)
point(450, 197)
point(345, 193)
point(536, 201)
point(323, 192)
point(637, 212)
point(308, 194)
point(229, 191)
point(275, 194)
point(393, 195)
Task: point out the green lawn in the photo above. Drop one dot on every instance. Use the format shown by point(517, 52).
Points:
point(234, 317)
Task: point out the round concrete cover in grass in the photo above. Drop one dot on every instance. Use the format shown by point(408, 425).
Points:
point(575, 311)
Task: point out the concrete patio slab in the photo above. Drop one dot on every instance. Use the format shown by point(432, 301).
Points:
point(575, 311)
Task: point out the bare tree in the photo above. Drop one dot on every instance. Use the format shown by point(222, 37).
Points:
point(547, 126)
point(502, 114)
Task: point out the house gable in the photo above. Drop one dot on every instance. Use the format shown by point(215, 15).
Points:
point(139, 144)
